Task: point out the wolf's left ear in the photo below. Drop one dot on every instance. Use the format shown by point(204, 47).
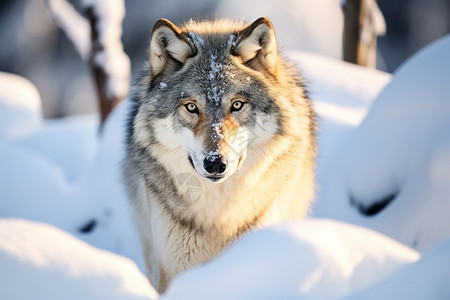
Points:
point(256, 46)
point(169, 47)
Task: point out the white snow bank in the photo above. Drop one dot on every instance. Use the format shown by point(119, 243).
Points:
point(103, 191)
point(40, 174)
point(57, 140)
point(314, 26)
point(66, 175)
point(313, 258)
point(339, 83)
point(400, 152)
point(33, 187)
point(20, 106)
point(341, 94)
point(426, 279)
point(41, 262)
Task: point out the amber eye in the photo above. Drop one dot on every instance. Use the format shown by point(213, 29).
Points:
point(237, 105)
point(191, 107)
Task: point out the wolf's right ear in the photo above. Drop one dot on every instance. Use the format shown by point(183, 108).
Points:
point(169, 48)
point(256, 46)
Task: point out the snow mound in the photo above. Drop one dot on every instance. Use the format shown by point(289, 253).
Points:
point(33, 187)
point(41, 262)
point(341, 94)
point(104, 193)
point(66, 175)
point(392, 173)
point(20, 107)
point(57, 140)
point(321, 259)
point(426, 279)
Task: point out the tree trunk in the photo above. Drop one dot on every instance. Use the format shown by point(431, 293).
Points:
point(351, 10)
point(363, 21)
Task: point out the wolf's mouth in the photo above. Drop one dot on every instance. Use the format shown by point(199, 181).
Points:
point(214, 178)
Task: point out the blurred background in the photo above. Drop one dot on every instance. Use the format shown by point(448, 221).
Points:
point(33, 46)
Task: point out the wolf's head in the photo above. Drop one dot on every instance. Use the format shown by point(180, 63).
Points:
point(208, 97)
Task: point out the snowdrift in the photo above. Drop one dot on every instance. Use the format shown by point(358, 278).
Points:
point(312, 258)
point(42, 262)
point(392, 173)
point(20, 108)
point(389, 173)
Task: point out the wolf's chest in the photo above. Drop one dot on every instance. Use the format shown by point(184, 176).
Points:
point(179, 244)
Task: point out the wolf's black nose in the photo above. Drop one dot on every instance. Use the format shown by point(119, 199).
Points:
point(213, 164)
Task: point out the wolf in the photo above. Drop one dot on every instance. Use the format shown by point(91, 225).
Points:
point(221, 140)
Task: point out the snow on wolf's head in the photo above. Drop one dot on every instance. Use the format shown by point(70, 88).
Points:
point(213, 93)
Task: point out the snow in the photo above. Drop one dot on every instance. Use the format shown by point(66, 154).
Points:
point(232, 40)
point(20, 109)
point(80, 147)
point(42, 262)
point(313, 258)
point(212, 155)
point(63, 174)
point(381, 135)
point(215, 91)
point(103, 192)
point(116, 64)
point(426, 279)
point(341, 94)
point(198, 40)
point(400, 149)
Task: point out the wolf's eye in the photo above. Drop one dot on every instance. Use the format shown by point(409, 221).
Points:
point(237, 105)
point(191, 107)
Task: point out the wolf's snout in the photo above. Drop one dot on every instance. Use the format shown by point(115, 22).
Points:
point(213, 164)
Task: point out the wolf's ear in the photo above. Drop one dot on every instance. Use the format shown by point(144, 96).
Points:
point(169, 47)
point(257, 46)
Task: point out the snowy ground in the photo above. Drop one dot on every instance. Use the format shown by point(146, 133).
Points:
point(40, 261)
point(383, 170)
point(399, 157)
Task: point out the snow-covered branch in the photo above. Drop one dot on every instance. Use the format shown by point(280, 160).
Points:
point(97, 38)
point(72, 23)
